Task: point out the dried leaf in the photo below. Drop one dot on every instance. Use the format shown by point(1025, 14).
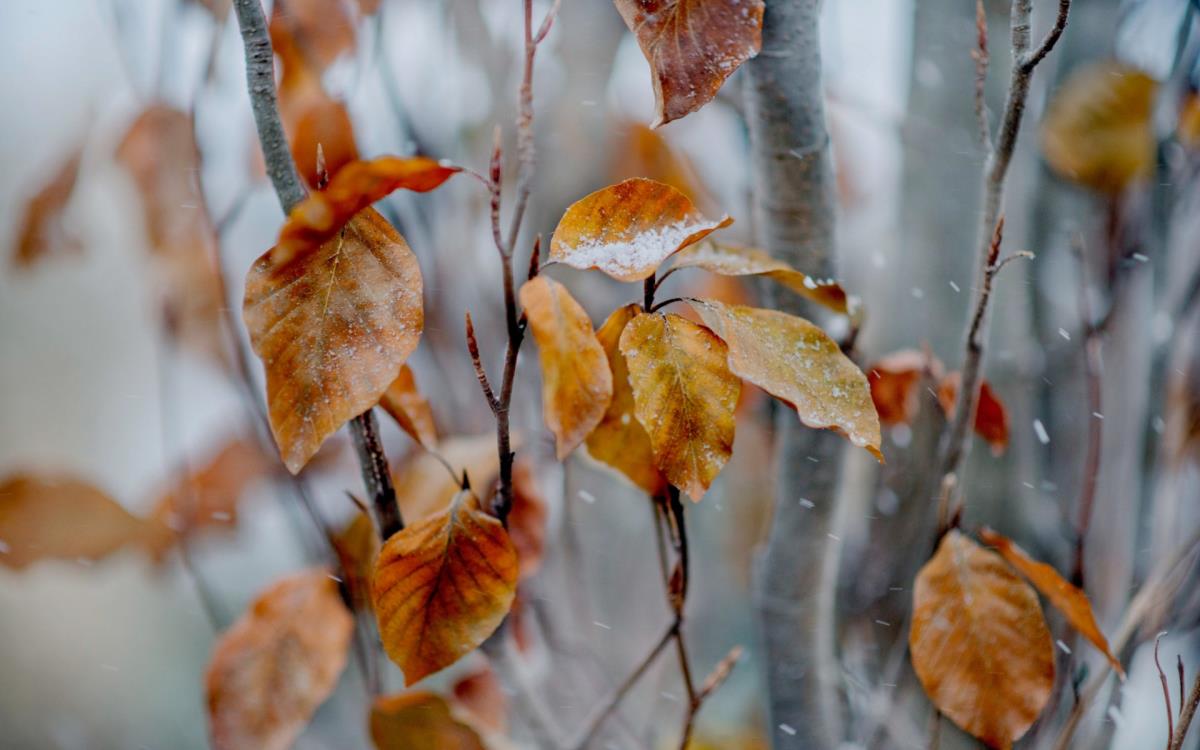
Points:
point(979, 642)
point(419, 721)
point(333, 329)
point(442, 586)
point(321, 215)
point(1068, 599)
point(796, 362)
point(44, 517)
point(1098, 130)
point(733, 260)
point(404, 402)
point(643, 152)
point(684, 395)
point(527, 519)
point(482, 696)
point(424, 486)
point(313, 33)
point(42, 230)
point(356, 547)
point(619, 440)
point(271, 670)
point(692, 47)
point(894, 380)
point(314, 119)
point(576, 382)
point(627, 230)
point(991, 418)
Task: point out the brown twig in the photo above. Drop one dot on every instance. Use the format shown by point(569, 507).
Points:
point(715, 679)
point(982, 60)
point(1186, 714)
point(1092, 379)
point(1162, 678)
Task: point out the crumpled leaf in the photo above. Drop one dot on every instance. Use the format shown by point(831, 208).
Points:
point(333, 329)
point(442, 586)
point(684, 395)
point(273, 667)
point(358, 184)
point(1098, 130)
point(356, 547)
point(979, 642)
point(894, 380)
point(404, 402)
point(796, 362)
point(734, 260)
point(419, 720)
point(619, 440)
point(692, 47)
point(576, 383)
point(991, 418)
point(423, 484)
point(49, 517)
point(627, 230)
point(1068, 599)
point(42, 231)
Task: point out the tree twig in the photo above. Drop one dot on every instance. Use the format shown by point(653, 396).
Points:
point(1092, 378)
point(1162, 678)
point(1186, 714)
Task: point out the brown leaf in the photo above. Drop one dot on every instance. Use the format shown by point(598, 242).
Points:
point(733, 260)
point(979, 642)
point(419, 721)
point(1098, 130)
point(356, 547)
point(527, 519)
point(796, 362)
point(643, 152)
point(313, 33)
point(314, 119)
point(576, 382)
point(271, 670)
point(423, 484)
point(692, 47)
point(894, 380)
point(46, 517)
point(1068, 599)
point(482, 696)
point(404, 402)
point(321, 215)
point(42, 230)
point(991, 418)
point(619, 440)
point(333, 329)
point(684, 395)
point(442, 586)
point(627, 230)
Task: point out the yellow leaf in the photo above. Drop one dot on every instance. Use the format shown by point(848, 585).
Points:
point(419, 721)
point(404, 402)
point(684, 396)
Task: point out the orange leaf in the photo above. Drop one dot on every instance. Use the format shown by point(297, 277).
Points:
point(627, 230)
point(1066, 598)
point(312, 33)
point(692, 47)
point(733, 260)
point(979, 642)
point(423, 484)
point(991, 418)
point(333, 329)
point(442, 586)
point(684, 395)
point(42, 230)
point(321, 215)
point(409, 408)
point(643, 152)
point(894, 379)
point(271, 670)
point(796, 362)
point(356, 547)
point(419, 721)
point(576, 383)
point(57, 517)
point(527, 519)
point(619, 440)
point(481, 694)
point(313, 119)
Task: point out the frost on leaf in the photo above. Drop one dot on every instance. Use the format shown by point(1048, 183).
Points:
point(420, 720)
point(692, 47)
point(627, 230)
point(333, 329)
point(684, 396)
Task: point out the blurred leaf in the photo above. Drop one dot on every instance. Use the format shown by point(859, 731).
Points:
point(218, 8)
point(1188, 128)
point(42, 231)
point(627, 230)
point(419, 721)
point(894, 380)
point(619, 440)
point(271, 670)
point(1066, 598)
point(313, 119)
point(979, 642)
point(424, 486)
point(404, 402)
point(442, 586)
point(312, 33)
point(576, 382)
point(684, 396)
point(333, 329)
point(1097, 130)
point(991, 418)
point(796, 362)
point(527, 519)
point(357, 546)
point(482, 696)
point(644, 152)
point(692, 47)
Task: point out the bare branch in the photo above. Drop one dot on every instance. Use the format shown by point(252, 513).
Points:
point(982, 59)
point(1186, 714)
point(1162, 678)
point(480, 373)
point(1056, 31)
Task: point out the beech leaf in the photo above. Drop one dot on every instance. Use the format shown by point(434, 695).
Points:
point(979, 642)
point(442, 586)
point(356, 547)
point(527, 519)
point(333, 329)
point(627, 230)
point(42, 231)
point(894, 379)
point(684, 395)
point(991, 418)
point(419, 721)
point(273, 667)
point(423, 484)
point(619, 440)
point(482, 696)
point(404, 402)
point(1068, 599)
point(576, 382)
point(796, 362)
point(692, 47)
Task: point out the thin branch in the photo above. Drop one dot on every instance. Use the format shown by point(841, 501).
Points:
point(480, 373)
point(1162, 678)
point(1186, 715)
point(715, 679)
point(1060, 25)
point(648, 288)
point(1092, 378)
point(982, 60)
